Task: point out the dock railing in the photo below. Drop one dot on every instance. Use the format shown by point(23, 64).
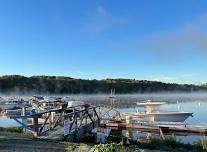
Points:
point(80, 122)
point(71, 119)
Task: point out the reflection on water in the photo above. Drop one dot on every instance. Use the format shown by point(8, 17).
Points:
point(101, 134)
point(143, 136)
point(138, 135)
point(5, 122)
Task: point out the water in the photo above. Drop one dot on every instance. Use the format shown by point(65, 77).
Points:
point(6, 122)
point(196, 103)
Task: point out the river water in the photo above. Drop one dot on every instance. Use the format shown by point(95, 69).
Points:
point(195, 102)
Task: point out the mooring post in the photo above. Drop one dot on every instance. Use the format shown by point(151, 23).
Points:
point(76, 127)
point(50, 120)
point(93, 114)
point(24, 119)
point(85, 120)
point(86, 112)
point(94, 109)
point(161, 134)
point(36, 126)
point(23, 111)
point(99, 110)
point(63, 108)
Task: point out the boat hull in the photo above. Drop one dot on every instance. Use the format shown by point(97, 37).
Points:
point(171, 117)
point(7, 106)
point(154, 117)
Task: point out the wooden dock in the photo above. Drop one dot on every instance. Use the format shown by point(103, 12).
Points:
point(71, 124)
point(61, 123)
point(165, 127)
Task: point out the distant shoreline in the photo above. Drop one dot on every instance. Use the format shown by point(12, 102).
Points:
point(16, 84)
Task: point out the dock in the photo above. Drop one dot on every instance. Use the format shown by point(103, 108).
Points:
point(164, 127)
point(61, 123)
point(72, 123)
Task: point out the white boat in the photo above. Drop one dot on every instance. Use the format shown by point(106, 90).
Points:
point(171, 116)
point(153, 113)
point(162, 116)
point(72, 103)
point(8, 105)
point(75, 103)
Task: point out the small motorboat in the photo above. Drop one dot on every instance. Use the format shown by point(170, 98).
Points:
point(161, 116)
point(8, 105)
point(152, 113)
point(75, 103)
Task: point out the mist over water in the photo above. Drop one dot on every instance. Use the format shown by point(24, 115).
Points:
point(125, 100)
point(129, 100)
point(189, 102)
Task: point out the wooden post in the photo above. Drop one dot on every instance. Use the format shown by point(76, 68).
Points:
point(23, 111)
point(66, 125)
point(94, 109)
point(93, 114)
point(24, 120)
point(161, 134)
point(85, 120)
point(36, 126)
point(90, 118)
point(50, 121)
point(85, 117)
point(76, 127)
point(76, 122)
point(99, 110)
point(74, 109)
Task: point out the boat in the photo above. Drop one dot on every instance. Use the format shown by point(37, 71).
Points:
point(16, 112)
point(12, 103)
point(75, 103)
point(50, 102)
point(152, 113)
point(8, 105)
point(161, 116)
point(72, 103)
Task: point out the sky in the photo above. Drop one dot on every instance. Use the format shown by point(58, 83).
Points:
point(159, 40)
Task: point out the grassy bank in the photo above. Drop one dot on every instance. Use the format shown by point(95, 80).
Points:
point(153, 145)
point(170, 144)
point(114, 143)
point(121, 145)
point(12, 129)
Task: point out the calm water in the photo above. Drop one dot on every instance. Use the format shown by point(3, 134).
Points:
point(5, 122)
point(196, 103)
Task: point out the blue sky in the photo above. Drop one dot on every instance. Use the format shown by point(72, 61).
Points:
point(163, 40)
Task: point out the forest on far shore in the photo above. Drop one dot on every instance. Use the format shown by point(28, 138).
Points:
point(67, 85)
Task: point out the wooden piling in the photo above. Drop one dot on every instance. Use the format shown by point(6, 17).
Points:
point(36, 125)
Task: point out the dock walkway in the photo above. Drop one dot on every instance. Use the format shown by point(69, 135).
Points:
point(61, 123)
point(165, 127)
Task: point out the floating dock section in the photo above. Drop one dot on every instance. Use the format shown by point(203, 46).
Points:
point(165, 127)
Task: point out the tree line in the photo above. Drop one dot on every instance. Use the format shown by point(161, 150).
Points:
point(66, 85)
